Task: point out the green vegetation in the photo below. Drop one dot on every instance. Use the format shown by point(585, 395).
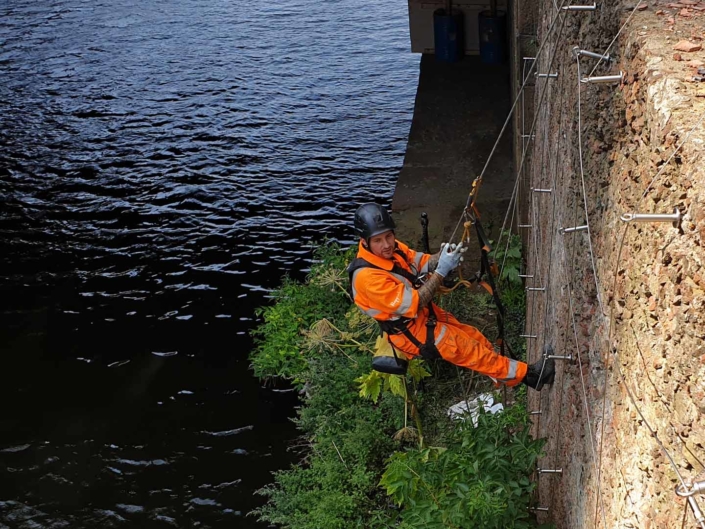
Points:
point(281, 345)
point(479, 478)
point(364, 464)
point(507, 255)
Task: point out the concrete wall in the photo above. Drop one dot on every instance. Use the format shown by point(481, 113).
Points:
point(638, 324)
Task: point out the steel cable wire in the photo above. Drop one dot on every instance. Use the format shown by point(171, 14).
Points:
point(534, 220)
point(542, 100)
point(537, 227)
point(534, 122)
point(536, 232)
point(595, 276)
point(664, 402)
point(624, 25)
point(597, 286)
point(511, 111)
point(582, 181)
point(548, 302)
point(611, 322)
point(604, 53)
point(552, 232)
point(515, 189)
point(513, 203)
point(514, 198)
point(583, 387)
point(615, 273)
point(521, 91)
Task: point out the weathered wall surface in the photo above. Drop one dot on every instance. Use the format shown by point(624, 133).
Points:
point(637, 325)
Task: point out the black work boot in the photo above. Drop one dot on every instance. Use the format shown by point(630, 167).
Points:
point(541, 372)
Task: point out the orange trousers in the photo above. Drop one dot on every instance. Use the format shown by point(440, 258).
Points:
point(462, 345)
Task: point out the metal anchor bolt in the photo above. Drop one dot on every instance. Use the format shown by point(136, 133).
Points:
point(560, 357)
point(536, 190)
point(593, 7)
point(584, 53)
point(550, 471)
point(526, 276)
point(539, 509)
point(535, 289)
point(547, 75)
point(528, 336)
point(525, 226)
point(571, 230)
point(675, 218)
point(697, 487)
point(604, 78)
point(537, 412)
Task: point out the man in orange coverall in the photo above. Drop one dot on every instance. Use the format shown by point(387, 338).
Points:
point(385, 285)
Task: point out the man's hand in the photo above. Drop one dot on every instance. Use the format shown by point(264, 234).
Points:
point(450, 257)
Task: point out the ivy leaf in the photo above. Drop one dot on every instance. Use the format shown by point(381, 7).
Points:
point(512, 275)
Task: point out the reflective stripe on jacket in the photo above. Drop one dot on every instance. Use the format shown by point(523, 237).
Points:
point(383, 294)
point(387, 297)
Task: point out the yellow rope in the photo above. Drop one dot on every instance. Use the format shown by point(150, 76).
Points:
point(473, 214)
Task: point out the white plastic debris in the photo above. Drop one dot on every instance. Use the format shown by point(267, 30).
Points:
point(471, 408)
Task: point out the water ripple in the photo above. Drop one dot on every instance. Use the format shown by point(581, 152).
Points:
point(163, 165)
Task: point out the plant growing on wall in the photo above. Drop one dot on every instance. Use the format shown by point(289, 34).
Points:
point(280, 349)
point(508, 258)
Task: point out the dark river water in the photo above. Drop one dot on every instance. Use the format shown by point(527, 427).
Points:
point(162, 165)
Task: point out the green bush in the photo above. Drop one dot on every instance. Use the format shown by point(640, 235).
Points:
point(507, 255)
point(279, 341)
point(337, 484)
point(314, 337)
point(357, 466)
point(479, 479)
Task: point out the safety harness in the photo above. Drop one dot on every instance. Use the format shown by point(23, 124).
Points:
point(427, 349)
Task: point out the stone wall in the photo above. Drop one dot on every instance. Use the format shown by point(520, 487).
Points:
point(638, 325)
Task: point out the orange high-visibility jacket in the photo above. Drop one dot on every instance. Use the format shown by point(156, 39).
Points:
point(387, 296)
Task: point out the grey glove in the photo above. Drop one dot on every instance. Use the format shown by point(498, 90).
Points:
point(450, 258)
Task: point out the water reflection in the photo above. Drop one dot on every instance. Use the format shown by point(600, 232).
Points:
point(163, 166)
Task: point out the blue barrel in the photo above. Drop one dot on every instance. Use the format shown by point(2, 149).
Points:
point(448, 35)
point(493, 37)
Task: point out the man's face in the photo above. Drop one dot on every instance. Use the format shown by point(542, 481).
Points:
point(382, 245)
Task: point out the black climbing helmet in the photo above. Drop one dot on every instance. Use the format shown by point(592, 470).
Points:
point(371, 220)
